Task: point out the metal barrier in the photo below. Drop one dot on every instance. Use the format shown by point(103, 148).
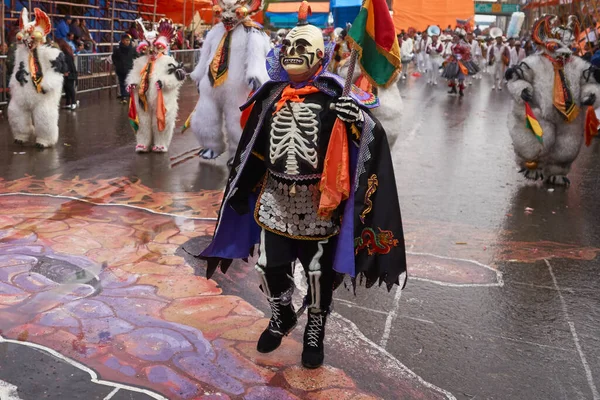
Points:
point(189, 58)
point(96, 71)
point(4, 76)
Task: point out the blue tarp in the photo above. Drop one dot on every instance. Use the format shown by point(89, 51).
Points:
point(345, 11)
point(289, 20)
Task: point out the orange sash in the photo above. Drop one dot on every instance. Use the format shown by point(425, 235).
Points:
point(563, 97)
point(293, 95)
point(335, 181)
point(161, 111)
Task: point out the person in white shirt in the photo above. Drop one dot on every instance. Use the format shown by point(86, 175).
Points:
point(514, 54)
point(498, 60)
point(486, 45)
point(434, 50)
point(520, 52)
point(475, 54)
point(447, 46)
point(417, 50)
point(406, 54)
point(425, 41)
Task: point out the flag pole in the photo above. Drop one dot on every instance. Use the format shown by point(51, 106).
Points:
point(351, 68)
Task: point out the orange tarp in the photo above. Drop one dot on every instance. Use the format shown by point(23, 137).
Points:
point(419, 14)
point(174, 9)
point(292, 7)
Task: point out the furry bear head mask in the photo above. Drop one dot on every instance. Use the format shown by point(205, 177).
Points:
point(33, 33)
point(232, 12)
point(158, 39)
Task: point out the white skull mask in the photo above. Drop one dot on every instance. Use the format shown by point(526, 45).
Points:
point(302, 52)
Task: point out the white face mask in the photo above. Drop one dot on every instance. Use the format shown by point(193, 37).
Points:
point(302, 52)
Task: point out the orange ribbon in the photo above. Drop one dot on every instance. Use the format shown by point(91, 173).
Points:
point(293, 95)
point(161, 111)
point(335, 180)
point(463, 69)
point(591, 125)
point(363, 83)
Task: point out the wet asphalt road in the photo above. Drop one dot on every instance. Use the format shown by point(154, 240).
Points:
point(530, 331)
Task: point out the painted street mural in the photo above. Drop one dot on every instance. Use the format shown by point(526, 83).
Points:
point(94, 273)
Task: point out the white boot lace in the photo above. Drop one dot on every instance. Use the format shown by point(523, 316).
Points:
point(276, 314)
point(315, 326)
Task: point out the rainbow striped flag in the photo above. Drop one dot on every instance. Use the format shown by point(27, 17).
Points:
point(533, 124)
point(134, 121)
point(373, 36)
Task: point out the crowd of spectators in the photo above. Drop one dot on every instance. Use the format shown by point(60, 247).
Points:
point(77, 35)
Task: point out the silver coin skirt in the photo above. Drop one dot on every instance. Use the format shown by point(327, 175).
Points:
point(288, 205)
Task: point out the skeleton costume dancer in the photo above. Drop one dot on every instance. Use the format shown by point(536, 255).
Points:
point(305, 184)
point(36, 83)
point(232, 64)
point(460, 64)
point(555, 85)
point(154, 84)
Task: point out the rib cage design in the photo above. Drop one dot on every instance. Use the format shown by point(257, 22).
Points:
point(294, 136)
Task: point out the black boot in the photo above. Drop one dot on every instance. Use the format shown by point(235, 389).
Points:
point(452, 90)
point(283, 320)
point(313, 352)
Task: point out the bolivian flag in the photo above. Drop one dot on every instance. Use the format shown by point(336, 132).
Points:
point(374, 37)
point(533, 124)
point(134, 120)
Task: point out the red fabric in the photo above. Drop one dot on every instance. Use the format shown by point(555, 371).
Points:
point(385, 33)
point(174, 9)
point(246, 113)
point(591, 125)
point(363, 83)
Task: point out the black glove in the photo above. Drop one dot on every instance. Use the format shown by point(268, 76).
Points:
point(22, 74)
point(526, 95)
point(590, 100)
point(347, 110)
point(510, 72)
point(253, 84)
point(60, 64)
point(178, 70)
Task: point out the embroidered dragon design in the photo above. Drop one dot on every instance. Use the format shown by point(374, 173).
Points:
point(373, 183)
point(375, 243)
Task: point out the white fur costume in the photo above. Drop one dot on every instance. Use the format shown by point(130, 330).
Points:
point(33, 111)
point(390, 109)
point(247, 71)
point(562, 140)
point(169, 73)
